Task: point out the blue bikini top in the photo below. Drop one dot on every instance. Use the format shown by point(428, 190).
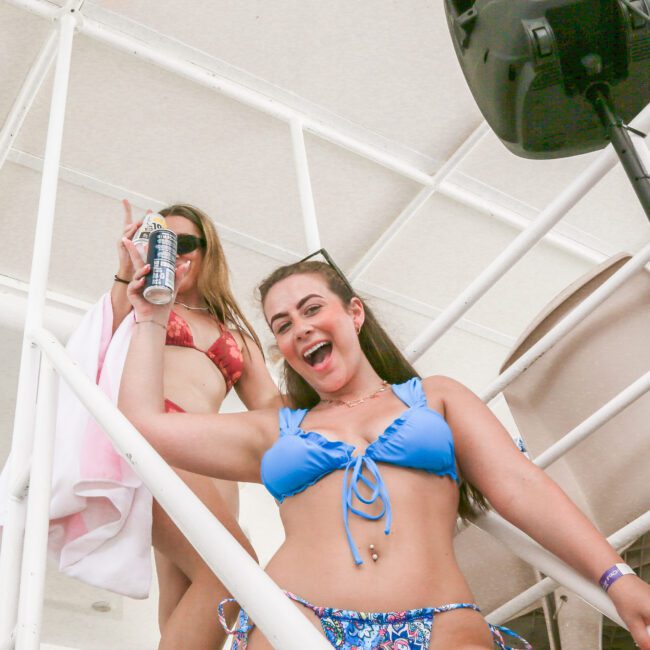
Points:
point(419, 438)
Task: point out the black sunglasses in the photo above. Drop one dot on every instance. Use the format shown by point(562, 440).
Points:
point(330, 261)
point(188, 243)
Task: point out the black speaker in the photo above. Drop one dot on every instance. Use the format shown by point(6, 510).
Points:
point(531, 63)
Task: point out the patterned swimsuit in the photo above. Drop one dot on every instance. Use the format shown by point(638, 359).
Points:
point(349, 630)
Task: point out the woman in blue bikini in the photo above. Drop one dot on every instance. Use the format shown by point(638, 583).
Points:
point(370, 470)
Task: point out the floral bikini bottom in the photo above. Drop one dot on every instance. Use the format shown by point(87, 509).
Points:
point(350, 630)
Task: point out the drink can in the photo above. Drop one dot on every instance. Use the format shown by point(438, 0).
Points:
point(150, 223)
point(159, 282)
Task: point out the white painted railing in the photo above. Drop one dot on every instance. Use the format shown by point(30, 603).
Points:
point(22, 440)
point(277, 617)
point(620, 540)
point(557, 209)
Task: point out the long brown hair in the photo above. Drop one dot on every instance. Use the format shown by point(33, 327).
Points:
point(214, 278)
point(384, 356)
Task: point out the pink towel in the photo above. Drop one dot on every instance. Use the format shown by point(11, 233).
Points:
point(100, 512)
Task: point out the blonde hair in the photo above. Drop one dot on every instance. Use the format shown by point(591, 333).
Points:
point(214, 278)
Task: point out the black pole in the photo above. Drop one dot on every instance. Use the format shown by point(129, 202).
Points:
point(620, 139)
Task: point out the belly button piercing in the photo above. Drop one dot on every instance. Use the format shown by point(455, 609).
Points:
point(373, 553)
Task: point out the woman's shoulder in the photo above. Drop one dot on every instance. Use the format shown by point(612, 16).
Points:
point(446, 389)
point(244, 341)
point(441, 383)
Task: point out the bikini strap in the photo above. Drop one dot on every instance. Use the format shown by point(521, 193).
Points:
point(242, 626)
point(290, 419)
point(411, 392)
point(452, 606)
point(302, 601)
point(497, 635)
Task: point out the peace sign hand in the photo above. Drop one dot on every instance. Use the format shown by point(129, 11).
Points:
point(126, 269)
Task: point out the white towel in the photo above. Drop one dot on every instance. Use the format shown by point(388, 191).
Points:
point(100, 512)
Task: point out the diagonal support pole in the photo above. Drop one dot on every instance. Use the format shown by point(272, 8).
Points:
point(419, 200)
point(620, 540)
point(27, 95)
point(520, 246)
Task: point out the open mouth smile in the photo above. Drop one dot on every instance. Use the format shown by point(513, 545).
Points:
point(318, 353)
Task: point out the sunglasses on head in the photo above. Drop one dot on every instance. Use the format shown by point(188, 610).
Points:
point(330, 261)
point(188, 243)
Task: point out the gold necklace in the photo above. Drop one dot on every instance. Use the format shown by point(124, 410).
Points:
point(178, 302)
point(354, 402)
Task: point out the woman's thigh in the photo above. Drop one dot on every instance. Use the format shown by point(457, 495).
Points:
point(172, 585)
point(460, 629)
point(168, 539)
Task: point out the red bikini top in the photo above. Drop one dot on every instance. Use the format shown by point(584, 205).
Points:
point(224, 352)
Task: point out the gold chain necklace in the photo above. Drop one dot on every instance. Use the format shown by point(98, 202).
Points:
point(178, 302)
point(354, 402)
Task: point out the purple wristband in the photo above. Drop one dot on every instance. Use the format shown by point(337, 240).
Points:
point(613, 574)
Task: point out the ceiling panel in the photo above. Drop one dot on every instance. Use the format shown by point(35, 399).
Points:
point(370, 62)
point(445, 247)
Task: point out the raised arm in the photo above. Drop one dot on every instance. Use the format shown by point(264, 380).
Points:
point(527, 497)
point(225, 446)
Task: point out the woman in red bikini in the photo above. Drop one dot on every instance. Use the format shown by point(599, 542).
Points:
point(210, 348)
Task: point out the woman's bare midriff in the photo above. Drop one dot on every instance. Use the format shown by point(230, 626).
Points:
point(415, 568)
point(195, 384)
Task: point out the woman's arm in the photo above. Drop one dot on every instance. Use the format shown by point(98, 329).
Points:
point(225, 446)
point(255, 387)
point(526, 496)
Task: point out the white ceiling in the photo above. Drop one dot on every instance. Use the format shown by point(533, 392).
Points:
point(379, 71)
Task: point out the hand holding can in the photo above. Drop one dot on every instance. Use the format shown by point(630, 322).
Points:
point(161, 257)
point(143, 309)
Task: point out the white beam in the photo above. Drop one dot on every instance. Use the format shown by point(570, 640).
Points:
point(22, 439)
point(27, 94)
point(250, 97)
point(521, 245)
point(32, 593)
point(312, 236)
point(142, 201)
point(277, 253)
point(277, 617)
point(424, 309)
point(569, 322)
point(603, 415)
point(529, 551)
point(620, 540)
point(504, 206)
point(418, 201)
point(453, 189)
point(9, 285)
